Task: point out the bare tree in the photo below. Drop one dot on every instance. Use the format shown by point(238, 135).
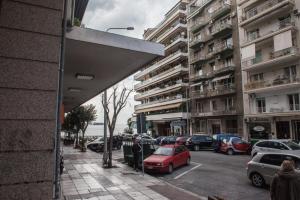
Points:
point(118, 102)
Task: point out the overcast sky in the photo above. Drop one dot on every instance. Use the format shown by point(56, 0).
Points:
point(141, 14)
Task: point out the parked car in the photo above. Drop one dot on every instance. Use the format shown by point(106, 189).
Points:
point(234, 145)
point(218, 138)
point(98, 144)
point(168, 140)
point(158, 139)
point(263, 166)
point(181, 140)
point(199, 141)
point(274, 146)
point(167, 157)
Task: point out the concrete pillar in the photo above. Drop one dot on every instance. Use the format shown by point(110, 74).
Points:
point(30, 35)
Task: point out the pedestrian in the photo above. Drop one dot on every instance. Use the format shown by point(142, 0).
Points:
point(286, 183)
point(135, 150)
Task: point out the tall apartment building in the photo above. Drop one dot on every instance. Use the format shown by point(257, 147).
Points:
point(269, 40)
point(215, 75)
point(163, 86)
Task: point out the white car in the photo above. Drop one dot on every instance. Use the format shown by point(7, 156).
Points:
point(275, 146)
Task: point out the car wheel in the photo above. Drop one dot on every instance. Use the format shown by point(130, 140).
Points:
point(196, 148)
point(257, 180)
point(230, 152)
point(188, 161)
point(170, 169)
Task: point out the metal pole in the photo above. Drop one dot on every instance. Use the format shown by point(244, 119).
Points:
point(187, 112)
point(142, 145)
point(105, 129)
point(58, 106)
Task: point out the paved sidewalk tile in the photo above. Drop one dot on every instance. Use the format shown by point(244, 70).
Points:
point(84, 178)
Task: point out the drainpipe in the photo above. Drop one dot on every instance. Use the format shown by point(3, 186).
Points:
point(58, 105)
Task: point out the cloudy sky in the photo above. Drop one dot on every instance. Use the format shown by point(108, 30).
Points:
point(141, 14)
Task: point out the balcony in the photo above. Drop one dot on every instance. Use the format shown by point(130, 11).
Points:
point(221, 10)
point(199, 40)
point(162, 77)
point(159, 91)
point(275, 58)
point(199, 58)
point(198, 24)
point(280, 83)
point(195, 9)
point(170, 31)
point(222, 47)
point(166, 116)
point(266, 10)
point(224, 69)
point(281, 27)
point(280, 111)
point(176, 43)
point(220, 90)
point(221, 29)
point(171, 17)
point(230, 111)
point(195, 77)
point(165, 61)
point(160, 103)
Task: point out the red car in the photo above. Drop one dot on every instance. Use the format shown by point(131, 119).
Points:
point(234, 145)
point(167, 157)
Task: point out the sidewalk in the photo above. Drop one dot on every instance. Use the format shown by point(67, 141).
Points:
point(84, 178)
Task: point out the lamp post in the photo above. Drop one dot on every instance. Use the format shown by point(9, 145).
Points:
point(105, 156)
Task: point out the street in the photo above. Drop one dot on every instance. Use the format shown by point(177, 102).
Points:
point(216, 174)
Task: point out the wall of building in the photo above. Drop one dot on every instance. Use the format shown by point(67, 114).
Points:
point(30, 35)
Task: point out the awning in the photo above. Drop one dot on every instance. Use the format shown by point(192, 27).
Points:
point(248, 52)
point(283, 41)
point(221, 78)
point(106, 57)
point(159, 108)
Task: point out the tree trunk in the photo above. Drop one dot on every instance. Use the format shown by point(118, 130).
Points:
point(110, 148)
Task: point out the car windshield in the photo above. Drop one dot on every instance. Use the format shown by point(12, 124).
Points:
point(165, 151)
point(292, 145)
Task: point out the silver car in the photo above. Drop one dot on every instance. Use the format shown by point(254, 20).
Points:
point(275, 146)
point(262, 168)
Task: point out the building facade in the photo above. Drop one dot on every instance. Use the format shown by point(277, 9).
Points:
point(215, 73)
point(269, 40)
point(163, 84)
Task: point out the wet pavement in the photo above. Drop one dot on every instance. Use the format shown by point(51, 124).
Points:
point(84, 178)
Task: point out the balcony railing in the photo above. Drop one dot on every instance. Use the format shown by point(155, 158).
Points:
point(222, 46)
point(166, 88)
point(171, 30)
point(273, 55)
point(262, 7)
point(159, 101)
point(200, 39)
point(281, 80)
point(198, 57)
point(224, 68)
point(222, 9)
point(220, 90)
point(194, 8)
point(197, 24)
point(160, 76)
point(220, 27)
point(175, 41)
point(159, 63)
point(229, 111)
point(281, 25)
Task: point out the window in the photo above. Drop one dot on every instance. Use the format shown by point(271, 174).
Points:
point(272, 159)
point(292, 145)
point(201, 126)
point(228, 103)
point(210, 48)
point(213, 66)
point(257, 77)
point(258, 57)
point(228, 62)
point(261, 105)
point(214, 105)
point(294, 101)
point(199, 107)
point(277, 145)
point(253, 34)
point(290, 73)
point(264, 144)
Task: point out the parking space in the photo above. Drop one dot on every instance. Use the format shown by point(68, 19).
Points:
point(216, 174)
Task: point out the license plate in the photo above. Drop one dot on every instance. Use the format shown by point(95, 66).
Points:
point(150, 167)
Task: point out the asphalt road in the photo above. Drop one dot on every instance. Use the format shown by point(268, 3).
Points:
point(216, 174)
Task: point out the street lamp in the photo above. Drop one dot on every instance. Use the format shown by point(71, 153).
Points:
point(105, 156)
